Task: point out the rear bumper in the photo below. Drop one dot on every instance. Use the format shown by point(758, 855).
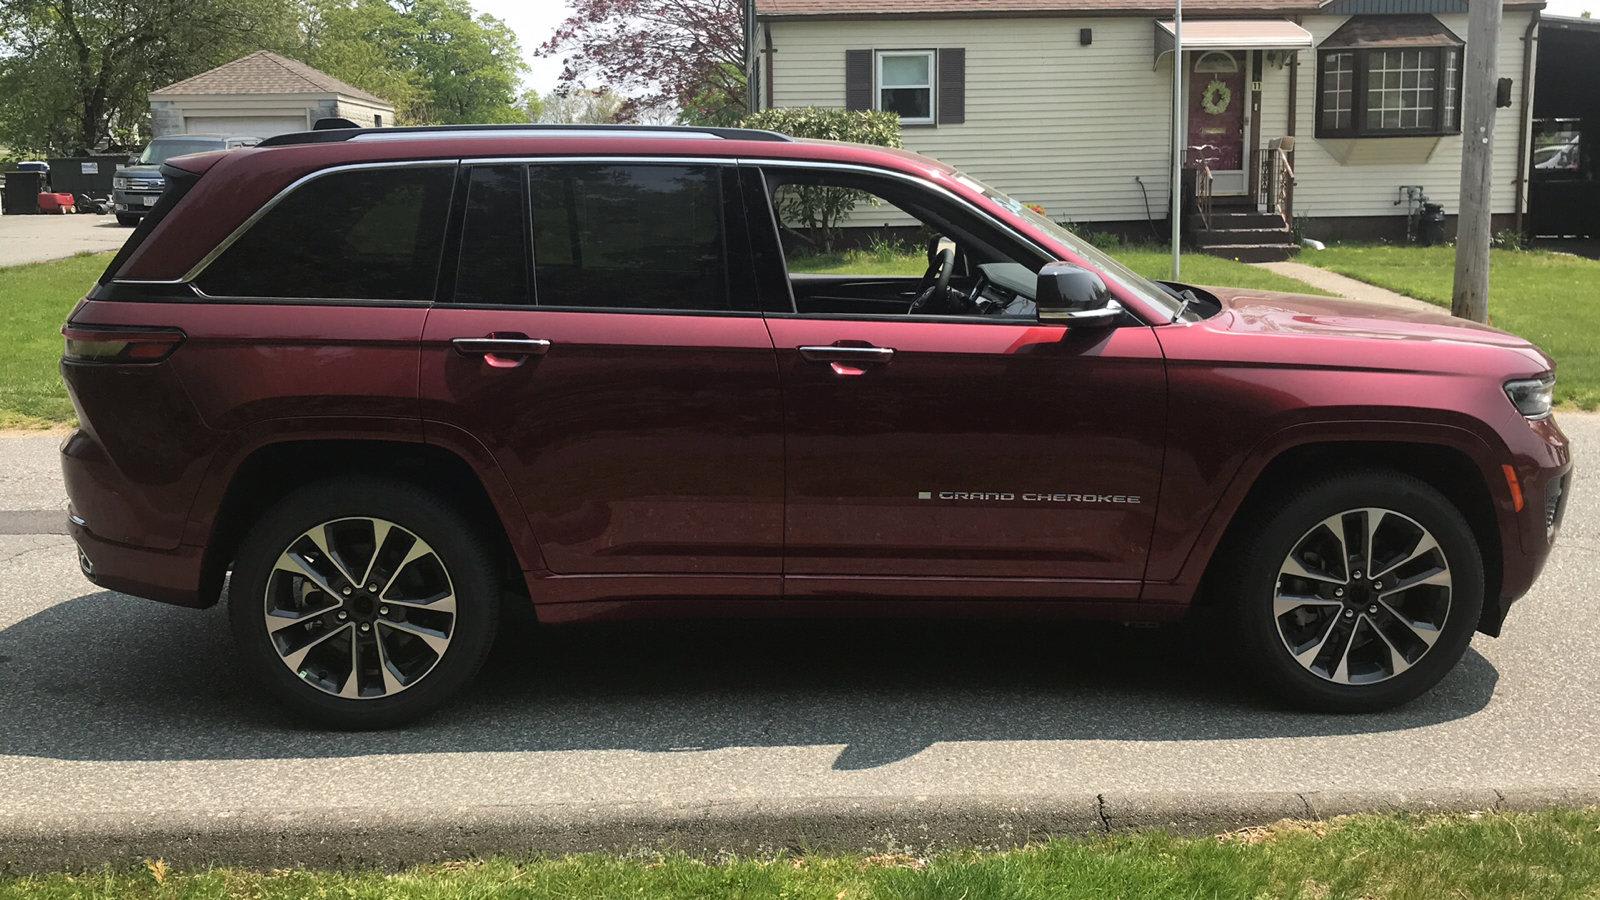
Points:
point(169, 576)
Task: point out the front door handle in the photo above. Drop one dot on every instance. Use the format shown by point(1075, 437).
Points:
point(502, 351)
point(847, 359)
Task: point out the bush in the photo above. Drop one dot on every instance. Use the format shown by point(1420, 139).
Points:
point(820, 210)
point(1507, 239)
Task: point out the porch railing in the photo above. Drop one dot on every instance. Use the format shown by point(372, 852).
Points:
point(1203, 183)
point(1275, 181)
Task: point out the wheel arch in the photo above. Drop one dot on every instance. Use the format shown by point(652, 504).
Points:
point(274, 468)
point(1446, 467)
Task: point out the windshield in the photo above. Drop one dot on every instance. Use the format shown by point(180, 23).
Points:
point(160, 151)
point(1131, 281)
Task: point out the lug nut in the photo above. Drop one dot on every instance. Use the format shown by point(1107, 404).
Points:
point(365, 627)
point(347, 592)
point(343, 615)
point(1338, 592)
point(1377, 585)
point(383, 610)
point(1356, 574)
point(1349, 614)
point(373, 587)
point(1373, 609)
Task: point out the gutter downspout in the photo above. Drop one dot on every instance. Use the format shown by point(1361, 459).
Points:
point(1530, 46)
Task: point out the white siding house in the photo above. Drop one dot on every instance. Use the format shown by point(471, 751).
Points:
point(1068, 103)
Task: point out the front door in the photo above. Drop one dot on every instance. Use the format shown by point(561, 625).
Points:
point(954, 447)
point(1217, 102)
point(615, 364)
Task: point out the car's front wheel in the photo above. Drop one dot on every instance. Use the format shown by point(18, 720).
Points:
point(363, 603)
point(1356, 593)
point(127, 221)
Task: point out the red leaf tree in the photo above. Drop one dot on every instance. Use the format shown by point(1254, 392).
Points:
point(684, 55)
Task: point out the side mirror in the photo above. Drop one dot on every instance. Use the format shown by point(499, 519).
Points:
point(1071, 295)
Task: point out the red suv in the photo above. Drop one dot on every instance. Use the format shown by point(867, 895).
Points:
point(373, 383)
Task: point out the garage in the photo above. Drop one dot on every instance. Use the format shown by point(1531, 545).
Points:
point(257, 126)
point(261, 95)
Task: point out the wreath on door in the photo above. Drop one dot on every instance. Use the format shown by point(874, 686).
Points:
point(1216, 98)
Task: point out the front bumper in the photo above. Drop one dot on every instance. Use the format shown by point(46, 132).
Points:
point(1542, 462)
point(134, 203)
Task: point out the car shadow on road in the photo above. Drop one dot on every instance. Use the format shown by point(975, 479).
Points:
point(109, 677)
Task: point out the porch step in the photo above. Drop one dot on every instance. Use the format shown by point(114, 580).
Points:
point(1224, 219)
point(1206, 237)
point(1252, 253)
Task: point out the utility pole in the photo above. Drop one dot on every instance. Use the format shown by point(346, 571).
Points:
point(1175, 189)
point(1471, 297)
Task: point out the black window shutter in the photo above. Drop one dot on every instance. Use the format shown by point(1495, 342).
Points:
point(858, 79)
point(952, 85)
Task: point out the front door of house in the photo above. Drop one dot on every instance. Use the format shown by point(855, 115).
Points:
point(1217, 103)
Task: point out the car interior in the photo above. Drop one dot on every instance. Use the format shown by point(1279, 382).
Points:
point(971, 268)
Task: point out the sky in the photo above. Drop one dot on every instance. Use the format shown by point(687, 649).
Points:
point(533, 21)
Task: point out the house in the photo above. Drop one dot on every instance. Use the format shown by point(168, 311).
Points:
point(1320, 114)
point(1564, 178)
point(262, 94)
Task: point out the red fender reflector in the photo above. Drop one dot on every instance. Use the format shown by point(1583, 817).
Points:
point(124, 345)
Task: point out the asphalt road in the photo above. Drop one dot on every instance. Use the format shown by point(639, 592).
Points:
point(29, 239)
point(116, 709)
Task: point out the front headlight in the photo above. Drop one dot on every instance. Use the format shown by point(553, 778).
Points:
point(1532, 397)
point(120, 183)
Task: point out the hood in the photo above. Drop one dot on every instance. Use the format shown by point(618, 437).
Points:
point(1246, 311)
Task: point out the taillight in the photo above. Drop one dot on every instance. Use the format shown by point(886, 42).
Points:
point(89, 344)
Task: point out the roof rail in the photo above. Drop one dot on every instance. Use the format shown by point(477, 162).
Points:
point(335, 135)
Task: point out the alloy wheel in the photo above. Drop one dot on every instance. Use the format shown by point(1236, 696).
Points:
point(1362, 596)
point(360, 608)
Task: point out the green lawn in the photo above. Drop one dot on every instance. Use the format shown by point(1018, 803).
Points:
point(1149, 261)
point(1552, 299)
point(1549, 854)
point(37, 299)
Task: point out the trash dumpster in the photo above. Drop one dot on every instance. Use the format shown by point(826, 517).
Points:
point(22, 193)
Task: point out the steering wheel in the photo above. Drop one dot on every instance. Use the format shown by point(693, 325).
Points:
point(936, 280)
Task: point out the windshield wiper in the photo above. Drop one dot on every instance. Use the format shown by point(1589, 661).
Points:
point(1188, 298)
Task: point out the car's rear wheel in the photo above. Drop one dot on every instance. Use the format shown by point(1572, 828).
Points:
point(1356, 593)
point(363, 603)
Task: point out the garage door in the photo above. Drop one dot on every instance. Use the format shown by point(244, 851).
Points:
point(257, 126)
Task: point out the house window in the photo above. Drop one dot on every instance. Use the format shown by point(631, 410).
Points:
point(377, 120)
point(1389, 92)
point(905, 85)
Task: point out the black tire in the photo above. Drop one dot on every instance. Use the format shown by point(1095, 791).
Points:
point(1250, 579)
point(462, 550)
point(127, 221)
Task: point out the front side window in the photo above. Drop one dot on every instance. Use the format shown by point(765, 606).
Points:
point(360, 234)
point(639, 237)
point(905, 85)
point(1384, 92)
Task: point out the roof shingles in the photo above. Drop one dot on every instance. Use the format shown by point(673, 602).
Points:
point(265, 72)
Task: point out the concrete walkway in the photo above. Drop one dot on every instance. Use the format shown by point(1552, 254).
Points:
point(1348, 288)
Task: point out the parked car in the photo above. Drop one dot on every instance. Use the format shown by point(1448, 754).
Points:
point(386, 378)
point(137, 186)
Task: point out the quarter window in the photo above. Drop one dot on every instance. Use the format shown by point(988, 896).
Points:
point(905, 85)
point(365, 234)
point(662, 237)
point(1383, 92)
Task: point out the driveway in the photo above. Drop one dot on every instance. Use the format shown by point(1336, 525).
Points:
point(28, 239)
point(125, 731)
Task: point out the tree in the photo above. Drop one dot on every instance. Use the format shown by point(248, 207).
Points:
point(75, 74)
point(585, 106)
point(820, 210)
point(658, 54)
point(433, 59)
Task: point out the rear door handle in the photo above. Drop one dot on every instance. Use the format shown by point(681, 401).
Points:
point(502, 351)
point(847, 360)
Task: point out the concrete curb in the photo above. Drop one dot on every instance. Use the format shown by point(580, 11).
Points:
point(361, 837)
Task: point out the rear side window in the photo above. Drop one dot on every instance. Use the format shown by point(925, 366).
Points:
point(179, 182)
point(366, 234)
point(662, 237)
point(493, 267)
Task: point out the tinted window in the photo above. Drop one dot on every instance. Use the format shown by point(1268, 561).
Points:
point(494, 238)
point(372, 234)
point(643, 237)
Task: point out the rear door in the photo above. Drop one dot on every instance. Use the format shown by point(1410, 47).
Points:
point(602, 340)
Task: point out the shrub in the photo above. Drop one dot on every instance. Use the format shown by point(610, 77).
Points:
point(820, 210)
